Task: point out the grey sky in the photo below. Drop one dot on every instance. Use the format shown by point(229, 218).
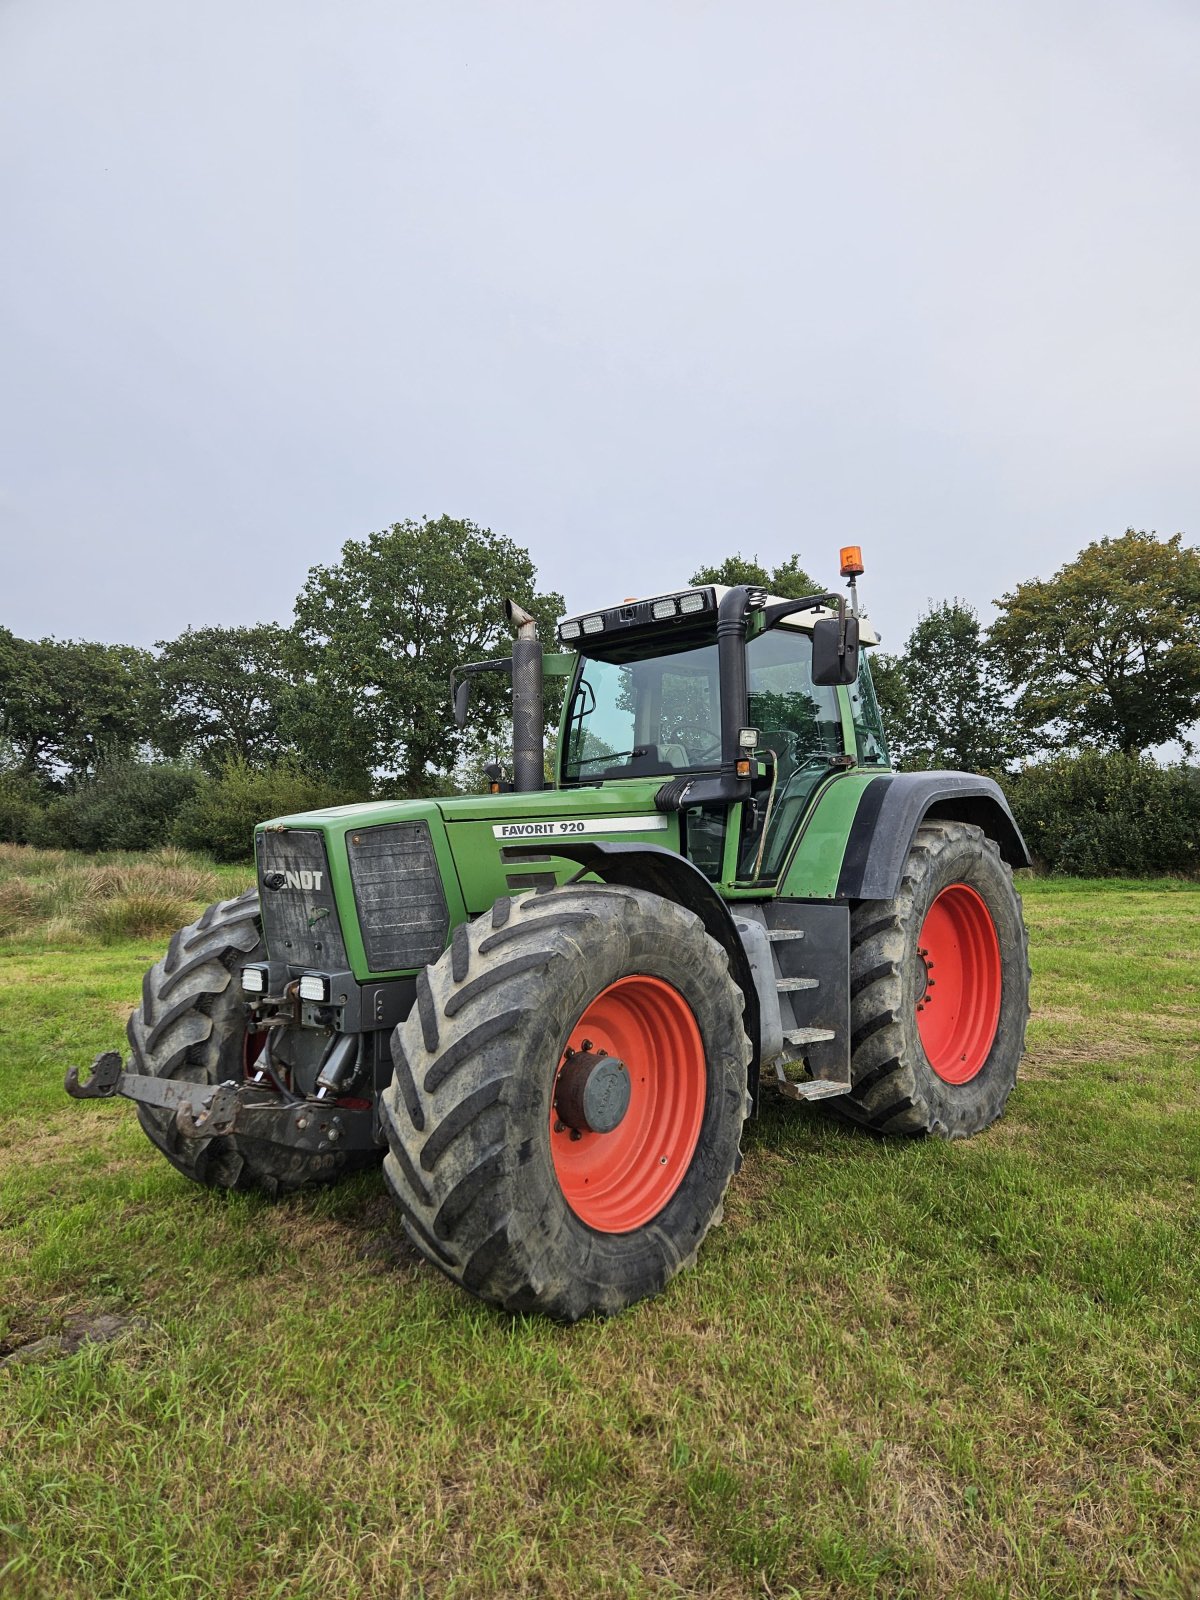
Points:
point(637, 284)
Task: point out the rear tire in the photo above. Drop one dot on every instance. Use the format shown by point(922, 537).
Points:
point(191, 1025)
point(936, 1042)
point(477, 1166)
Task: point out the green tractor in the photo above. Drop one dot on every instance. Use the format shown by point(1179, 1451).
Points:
point(549, 1009)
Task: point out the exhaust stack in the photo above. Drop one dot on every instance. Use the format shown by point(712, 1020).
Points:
point(529, 716)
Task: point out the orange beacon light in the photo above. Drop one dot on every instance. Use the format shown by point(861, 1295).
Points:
point(852, 561)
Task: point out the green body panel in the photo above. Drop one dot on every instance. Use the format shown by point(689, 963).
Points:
point(467, 850)
point(471, 825)
point(815, 864)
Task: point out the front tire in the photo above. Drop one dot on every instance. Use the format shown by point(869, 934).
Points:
point(939, 985)
point(493, 1186)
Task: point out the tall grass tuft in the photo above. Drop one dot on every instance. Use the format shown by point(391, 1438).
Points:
point(54, 895)
point(20, 905)
point(135, 916)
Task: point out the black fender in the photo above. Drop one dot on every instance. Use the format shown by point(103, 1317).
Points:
point(893, 808)
point(662, 872)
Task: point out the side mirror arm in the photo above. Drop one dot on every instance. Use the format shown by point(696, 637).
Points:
point(810, 602)
point(829, 666)
point(460, 684)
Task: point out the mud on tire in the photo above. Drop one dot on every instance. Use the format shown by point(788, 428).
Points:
point(191, 1025)
point(896, 1089)
point(468, 1114)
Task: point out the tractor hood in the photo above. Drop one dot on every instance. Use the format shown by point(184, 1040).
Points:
point(376, 887)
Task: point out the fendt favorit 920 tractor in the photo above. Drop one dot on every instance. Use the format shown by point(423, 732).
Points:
point(549, 1009)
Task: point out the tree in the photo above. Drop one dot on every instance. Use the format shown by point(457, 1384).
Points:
point(788, 580)
point(1107, 651)
point(220, 692)
point(378, 633)
point(65, 705)
point(945, 704)
point(891, 691)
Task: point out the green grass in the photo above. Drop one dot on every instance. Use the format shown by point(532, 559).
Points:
point(898, 1369)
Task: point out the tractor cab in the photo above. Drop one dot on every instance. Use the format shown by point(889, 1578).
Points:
point(743, 734)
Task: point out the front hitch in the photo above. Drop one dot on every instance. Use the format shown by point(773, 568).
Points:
point(202, 1110)
point(214, 1111)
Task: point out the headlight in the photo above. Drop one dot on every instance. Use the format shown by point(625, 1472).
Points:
point(314, 986)
point(254, 980)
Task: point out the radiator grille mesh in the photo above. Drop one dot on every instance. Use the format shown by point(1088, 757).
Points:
point(300, 919)
point(398, 892)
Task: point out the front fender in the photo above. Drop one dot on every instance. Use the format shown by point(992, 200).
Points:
point(893, 808)
point(662, 872)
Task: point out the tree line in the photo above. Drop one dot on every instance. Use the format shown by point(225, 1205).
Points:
point(104, 744)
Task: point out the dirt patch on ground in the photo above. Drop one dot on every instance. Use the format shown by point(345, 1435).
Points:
point(21, 1349)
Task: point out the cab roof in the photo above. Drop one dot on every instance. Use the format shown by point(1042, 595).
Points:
point(639, 612)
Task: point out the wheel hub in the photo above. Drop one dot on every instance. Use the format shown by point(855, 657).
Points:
point(592, 1095)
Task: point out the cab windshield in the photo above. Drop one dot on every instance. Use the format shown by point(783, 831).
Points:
point(655, 715)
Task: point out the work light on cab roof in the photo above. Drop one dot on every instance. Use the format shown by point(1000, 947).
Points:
point(548, 1009)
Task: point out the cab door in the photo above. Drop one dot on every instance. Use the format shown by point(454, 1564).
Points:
point(802, 738)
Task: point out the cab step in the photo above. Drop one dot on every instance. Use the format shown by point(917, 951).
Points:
point(808, 1088)
point(809, 1036)
point(794, 985)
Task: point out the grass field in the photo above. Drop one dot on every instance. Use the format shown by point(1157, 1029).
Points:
point(898, 1369)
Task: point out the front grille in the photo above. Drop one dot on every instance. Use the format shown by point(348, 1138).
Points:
point(398, 892)
point(300, 918)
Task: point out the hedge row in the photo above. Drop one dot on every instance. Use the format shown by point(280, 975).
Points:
point(135, 805)
point(1093, 815)
point(1096, 816)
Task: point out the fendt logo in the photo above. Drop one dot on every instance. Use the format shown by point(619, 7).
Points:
point(302, 880)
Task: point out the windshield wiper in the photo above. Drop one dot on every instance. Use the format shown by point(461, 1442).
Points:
point(615, 755)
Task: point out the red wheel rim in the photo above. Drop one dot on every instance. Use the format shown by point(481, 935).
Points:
point(958, 1009)
point(615, 1182)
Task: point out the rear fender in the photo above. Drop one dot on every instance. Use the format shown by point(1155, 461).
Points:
point(893, 808)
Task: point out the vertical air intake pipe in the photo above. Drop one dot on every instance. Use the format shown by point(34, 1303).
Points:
point(731, 656)
point(528, 712)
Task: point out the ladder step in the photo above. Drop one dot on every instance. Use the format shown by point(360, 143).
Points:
point(809, 1036)
point(814, 1089)
point(808, 1088)
point(777, 935)
point(791, 985)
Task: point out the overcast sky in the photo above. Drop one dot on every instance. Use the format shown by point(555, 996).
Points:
point(637, 283)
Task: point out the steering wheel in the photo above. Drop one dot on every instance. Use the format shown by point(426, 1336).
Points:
point(690, 733)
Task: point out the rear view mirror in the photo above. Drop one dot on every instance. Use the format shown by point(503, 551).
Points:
point(834, 658)
point(462, 695)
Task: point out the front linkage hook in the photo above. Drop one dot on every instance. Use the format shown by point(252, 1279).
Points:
point(101, 1081)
